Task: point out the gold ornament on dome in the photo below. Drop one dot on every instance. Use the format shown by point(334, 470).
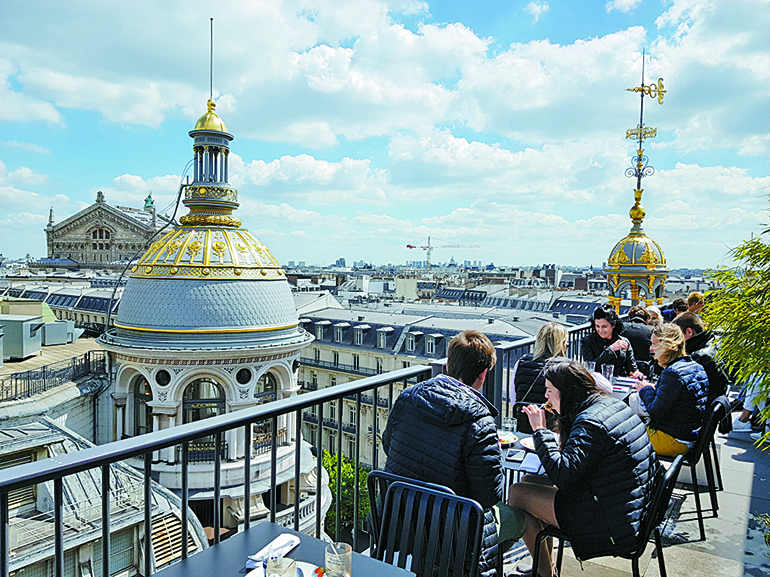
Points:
point(210, 220)
point(619, 257)
point(194, 248)
point(219, 249)
point(193, 192)
point(648, 256)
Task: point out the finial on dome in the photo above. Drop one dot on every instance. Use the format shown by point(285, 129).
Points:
point(637, 212)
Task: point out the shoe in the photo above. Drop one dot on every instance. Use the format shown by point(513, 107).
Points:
point(757, 436)
point(741, 427)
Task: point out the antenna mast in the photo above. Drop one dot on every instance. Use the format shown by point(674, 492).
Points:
point(211, 62)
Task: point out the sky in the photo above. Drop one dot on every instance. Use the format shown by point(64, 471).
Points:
point(363, 126)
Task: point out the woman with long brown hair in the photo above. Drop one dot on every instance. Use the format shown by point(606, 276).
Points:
point(599, 471)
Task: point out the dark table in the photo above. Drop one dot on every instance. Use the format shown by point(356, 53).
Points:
point(228, 559)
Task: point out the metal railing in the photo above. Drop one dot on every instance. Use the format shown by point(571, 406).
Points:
point(338, 367)
point(144, 446)
point(25, 384)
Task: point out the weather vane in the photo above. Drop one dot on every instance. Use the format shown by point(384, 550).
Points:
point(640, 169)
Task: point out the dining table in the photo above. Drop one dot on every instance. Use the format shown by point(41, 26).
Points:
point(228, 558)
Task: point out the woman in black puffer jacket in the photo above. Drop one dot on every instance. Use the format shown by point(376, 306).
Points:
point(602, 469)
point(604, 345)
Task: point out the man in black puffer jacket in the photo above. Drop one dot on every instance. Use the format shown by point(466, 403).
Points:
point(702, 349)
point(443, 431)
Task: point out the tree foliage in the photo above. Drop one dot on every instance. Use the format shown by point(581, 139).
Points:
point(347, 504)
point(740, 312)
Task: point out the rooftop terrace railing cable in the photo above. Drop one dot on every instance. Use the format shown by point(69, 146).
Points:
point(146, 244)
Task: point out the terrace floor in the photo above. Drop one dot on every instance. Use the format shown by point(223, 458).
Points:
point(50, 354)
point(735, 544)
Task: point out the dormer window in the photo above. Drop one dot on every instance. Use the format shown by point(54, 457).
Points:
point(359, 337)
point(430, 346)
point(410, 343)
point(319, 332)
point(382, 337)
point(337, 334)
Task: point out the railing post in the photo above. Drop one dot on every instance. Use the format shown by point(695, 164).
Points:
point(147, 514)
point(217, 486)
point(58, 526)
point(106, 520)
point(497, 387)
point(185, 457)
point(248, 441)
point(5, 536)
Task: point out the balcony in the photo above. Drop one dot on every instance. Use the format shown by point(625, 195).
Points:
point(337, 367)
point(304, 509)
point(25, 384)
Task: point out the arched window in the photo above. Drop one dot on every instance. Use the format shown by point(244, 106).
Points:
point(266, 383)
point(142, 411)
point(203, 398)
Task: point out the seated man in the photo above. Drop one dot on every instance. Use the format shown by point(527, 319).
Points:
point(699, 344)
point(638, 333)
point(677, 307)
point(443, 431)
point(695, 302)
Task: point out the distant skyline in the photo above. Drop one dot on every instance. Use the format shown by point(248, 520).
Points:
point(361, 127)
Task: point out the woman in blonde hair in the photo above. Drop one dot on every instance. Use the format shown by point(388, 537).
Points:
point(677, 403)
point(528, 376)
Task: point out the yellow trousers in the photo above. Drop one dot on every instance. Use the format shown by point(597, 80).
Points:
point(665, 444)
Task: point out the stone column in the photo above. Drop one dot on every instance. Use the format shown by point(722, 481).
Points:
point(170, 452)
point(155, 427)
point(119, 422)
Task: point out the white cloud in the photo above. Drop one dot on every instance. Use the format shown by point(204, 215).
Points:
point(626, 6)
point(537, 9)
point(31, 146)
point(21, 176)
point(19, 106)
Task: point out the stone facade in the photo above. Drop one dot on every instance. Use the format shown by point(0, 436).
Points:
point(102, 234)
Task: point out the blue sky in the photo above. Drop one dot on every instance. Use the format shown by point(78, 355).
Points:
point(361, 127)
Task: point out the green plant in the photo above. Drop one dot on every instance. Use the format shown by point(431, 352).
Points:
point(764, 519)
point(347, 493)
point(740, 311)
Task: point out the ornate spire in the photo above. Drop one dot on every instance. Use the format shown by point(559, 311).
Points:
point(50, 217)
point(640, 169)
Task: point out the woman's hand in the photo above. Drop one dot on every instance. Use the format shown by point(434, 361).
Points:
point(618, 345)
point(536, 417)
point(639, 384)
point(638, 375)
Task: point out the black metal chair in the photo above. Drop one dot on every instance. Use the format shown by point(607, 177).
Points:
point(715, 412)
point(430, 532)
point(662, 489)
point(377, 486)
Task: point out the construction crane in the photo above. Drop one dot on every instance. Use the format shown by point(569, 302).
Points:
point(428, 248)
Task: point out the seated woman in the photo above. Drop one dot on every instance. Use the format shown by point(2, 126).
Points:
point(677, 404)
point(528, 377)
point(602, 468)
point(604, 345)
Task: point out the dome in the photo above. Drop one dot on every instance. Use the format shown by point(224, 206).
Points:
point(210, 120)
point(208, 283)
point(636, 251)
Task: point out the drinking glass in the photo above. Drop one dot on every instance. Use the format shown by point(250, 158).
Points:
point(281, 567)
point(338, 560)
point(608, 371)
point(509, 425)
point(590, 366)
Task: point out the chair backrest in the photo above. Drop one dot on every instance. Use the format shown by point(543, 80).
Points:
point(440, 532)
point(662, 489)
point(377, 485)
point(715, 412)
